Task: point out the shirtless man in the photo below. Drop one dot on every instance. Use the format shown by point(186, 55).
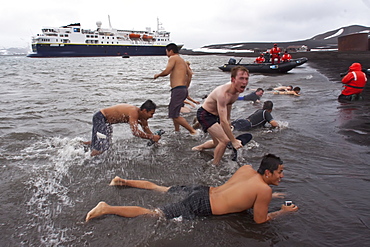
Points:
point(214, 115)
point(246, 189)
point(180, 73)
point(122, 113)
point(296, 91)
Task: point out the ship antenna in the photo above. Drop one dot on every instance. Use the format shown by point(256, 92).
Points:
point(159, 25)
point(110, 25)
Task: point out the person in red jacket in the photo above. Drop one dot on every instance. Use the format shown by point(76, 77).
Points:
point(260, 59)
point(286, 57)
point(353, 83)
point(275, 54)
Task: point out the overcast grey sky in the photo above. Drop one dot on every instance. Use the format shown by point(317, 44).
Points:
point(193, 22)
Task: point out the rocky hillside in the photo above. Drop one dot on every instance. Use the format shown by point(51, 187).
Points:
point(328, 40)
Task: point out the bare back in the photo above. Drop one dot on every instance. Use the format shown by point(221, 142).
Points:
point(122, 113)
point(179, 71)
point(239, 193)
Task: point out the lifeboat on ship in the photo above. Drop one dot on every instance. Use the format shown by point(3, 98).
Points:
point(134, 36)
point(147, 37)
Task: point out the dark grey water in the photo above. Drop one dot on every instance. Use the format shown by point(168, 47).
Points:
point(48, 183)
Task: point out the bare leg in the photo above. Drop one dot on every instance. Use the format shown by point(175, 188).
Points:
point(218, 153)
point(182, 121)
point(141, 184)
point(125, 211)
point(207, 145)
point(95, 152)
point(177, 125)
point(220, 141)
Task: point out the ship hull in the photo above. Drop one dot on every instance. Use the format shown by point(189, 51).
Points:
point(98, 50)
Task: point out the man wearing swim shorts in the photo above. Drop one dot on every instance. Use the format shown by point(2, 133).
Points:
point(179, 76)
point(217, 106)
point(246, 189)
point(123, 113)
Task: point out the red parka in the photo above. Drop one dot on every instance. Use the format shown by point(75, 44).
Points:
point(355, 81)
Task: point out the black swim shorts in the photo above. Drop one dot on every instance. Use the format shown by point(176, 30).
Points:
point(206, 119)
point(196, 204)
point(241, 124)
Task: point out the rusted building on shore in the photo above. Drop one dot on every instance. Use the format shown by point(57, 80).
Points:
point(354, 42)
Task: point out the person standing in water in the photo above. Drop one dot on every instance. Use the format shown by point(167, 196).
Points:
point(179, 77)
point(214, 115)
point(246, 189)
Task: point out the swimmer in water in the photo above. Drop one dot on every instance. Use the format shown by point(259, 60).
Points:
point(246, 189)
point(296, 92)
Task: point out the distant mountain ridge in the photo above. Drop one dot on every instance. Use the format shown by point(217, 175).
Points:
point(327, 40)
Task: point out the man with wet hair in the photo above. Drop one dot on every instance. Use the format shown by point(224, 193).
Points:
point(258, 119)
point(296, 91)
point(180, 74)
point(246, 189)
point(214, 115)
point(254, 96)
point(122, 113)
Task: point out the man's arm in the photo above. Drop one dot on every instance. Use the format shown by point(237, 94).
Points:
point(168, 69)
point(261, 205)
point(274, 124)
point(224, 116)
point(260, 208)
point(193, 100)
point(134, 125)
point(284, 209)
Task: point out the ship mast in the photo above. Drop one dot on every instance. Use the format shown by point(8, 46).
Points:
point(110, 25)
point(159, 25)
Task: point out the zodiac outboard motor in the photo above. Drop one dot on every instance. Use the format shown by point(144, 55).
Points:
point(232, 61)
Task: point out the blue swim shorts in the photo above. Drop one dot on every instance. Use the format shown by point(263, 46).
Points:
point(101, 133)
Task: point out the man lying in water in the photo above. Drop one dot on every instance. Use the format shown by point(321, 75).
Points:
point(296, 91)
point(246, 189)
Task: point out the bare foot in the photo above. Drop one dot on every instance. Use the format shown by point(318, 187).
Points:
point(85, 143)
point(97, 211)
point(117, 181)
point(197, 148)
point(95, 153)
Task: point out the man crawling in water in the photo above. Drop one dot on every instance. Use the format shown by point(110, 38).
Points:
point(246, 189)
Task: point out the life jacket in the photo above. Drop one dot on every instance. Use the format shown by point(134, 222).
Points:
point(275, 51)
point(354, 82)
point(286, 57)
point(260, 60)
